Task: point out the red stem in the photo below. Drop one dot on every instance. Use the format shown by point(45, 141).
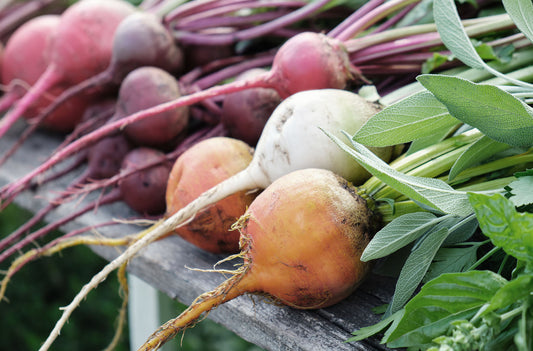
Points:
point(112, 196)
point(45, 82)
point(261, 81)
point(253, 32)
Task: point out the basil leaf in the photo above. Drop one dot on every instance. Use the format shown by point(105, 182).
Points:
point(506, 227)
point(449, 297)
point(514, 291)
point(496, 113)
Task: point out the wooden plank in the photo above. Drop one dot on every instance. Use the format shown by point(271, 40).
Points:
point(166, 265)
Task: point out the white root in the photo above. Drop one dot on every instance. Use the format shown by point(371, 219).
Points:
point(211, 196)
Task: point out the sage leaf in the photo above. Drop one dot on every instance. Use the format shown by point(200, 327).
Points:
point(496, 113)
point(506, 227)
point(455, 38)
point(462, 231)
point(422, 143)
point(451, 260)
point(430, 192)
point(521, 12)
point(398, 233)
point(415, 268)
point(414, 117)
point(449, 297)
point(453, 34)
point(479, 151)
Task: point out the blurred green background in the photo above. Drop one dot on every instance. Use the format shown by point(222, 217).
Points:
point(38, 290)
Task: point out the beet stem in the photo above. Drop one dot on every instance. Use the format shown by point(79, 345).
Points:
point(256, 31)
point(260, 81)
point(47, 80)
point(113, 196)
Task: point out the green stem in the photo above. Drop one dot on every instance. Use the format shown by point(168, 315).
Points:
point(484, 258)
point(493, 166)
point(429, 169)
point(514, 68)
point(490, 185)
point(390, 211)
point(513, 313)
point(406, 163)
point(502, 265)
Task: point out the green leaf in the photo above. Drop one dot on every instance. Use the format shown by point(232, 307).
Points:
point(512, 292)
point(457, 41)
point(452, 296)
point(451, 260)
point(521, 191)
point(462, 231)
point(422, 143)
point(507, 228)
point(430, 192)
point(523, 338)
point(415, 268)
point(496, 113)
point(366, 332)
point(398, 233)
point(521, 12)
point(414, 117)
point(453, 35)
point(435, 62)
point(479, 151)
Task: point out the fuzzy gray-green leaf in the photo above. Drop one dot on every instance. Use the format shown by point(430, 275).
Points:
point(496, 113)
point(414, 117)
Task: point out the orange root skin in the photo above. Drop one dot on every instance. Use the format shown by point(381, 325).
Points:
point(305, 236)
point(301, 239)
point(201, 167)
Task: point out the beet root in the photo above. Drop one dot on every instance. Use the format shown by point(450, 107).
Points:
point(245, 113)
point(302, 239)
point(199, 168)
point(144, 191)
point(147, 87)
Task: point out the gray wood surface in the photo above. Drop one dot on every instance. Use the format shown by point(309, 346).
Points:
point(164, 266)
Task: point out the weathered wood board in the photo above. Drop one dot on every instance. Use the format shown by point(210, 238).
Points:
point(165, 264)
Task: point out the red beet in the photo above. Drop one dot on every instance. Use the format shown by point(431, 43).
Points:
point(144, 191)
point(245, 113)
point(80, 47)
point(147, 87)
